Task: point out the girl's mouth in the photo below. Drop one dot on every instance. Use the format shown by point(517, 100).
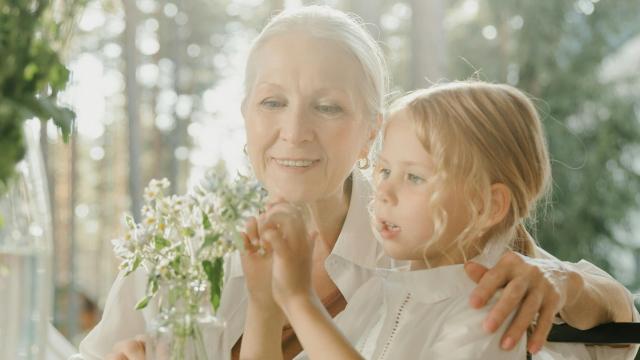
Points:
point(389, 230)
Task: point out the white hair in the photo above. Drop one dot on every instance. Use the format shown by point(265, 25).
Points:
point(331, 24)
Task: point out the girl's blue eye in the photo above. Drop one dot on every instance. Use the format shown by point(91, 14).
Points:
point(415, 178)
point(384, 173)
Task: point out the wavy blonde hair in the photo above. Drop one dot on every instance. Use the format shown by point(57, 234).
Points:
point(481, 134)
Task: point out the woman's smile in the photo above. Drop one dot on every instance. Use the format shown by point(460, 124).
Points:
point(297, 165)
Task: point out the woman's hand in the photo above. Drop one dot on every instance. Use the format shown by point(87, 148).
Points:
point(132, 349)
point(283, 228)
point(532, 287)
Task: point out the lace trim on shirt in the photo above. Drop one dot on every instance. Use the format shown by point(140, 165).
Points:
point(396, 326)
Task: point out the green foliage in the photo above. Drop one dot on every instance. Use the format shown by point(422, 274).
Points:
point(31, 75)
point(557, 55)
point(215, 274)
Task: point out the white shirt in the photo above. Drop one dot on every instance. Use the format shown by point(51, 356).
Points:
point(422, 314)
point(355, 245)
point(425, 314)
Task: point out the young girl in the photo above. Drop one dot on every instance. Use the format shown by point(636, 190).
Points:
point(473, 149)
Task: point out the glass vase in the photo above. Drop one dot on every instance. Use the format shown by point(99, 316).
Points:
point(185, 324)
point(25, 256)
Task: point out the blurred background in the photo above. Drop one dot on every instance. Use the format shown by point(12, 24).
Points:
point(157, 84)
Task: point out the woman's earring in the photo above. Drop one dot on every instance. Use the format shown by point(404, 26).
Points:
point(363, 163)
point(244, 150)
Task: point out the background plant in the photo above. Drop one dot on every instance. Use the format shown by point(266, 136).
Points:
point(31, 72)
point(563, 54)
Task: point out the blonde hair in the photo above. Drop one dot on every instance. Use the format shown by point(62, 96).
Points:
point(481, 134)
point(346, 30)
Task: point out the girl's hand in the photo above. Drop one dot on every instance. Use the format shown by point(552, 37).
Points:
point(532, 287)
point(257, 266)
point(283, 228)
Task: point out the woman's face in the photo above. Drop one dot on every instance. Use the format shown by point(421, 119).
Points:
point(305, 117)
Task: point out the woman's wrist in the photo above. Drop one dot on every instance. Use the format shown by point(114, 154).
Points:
point(575, 287)
point(594, 300)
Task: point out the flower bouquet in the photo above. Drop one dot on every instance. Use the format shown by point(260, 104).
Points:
point(181, 243)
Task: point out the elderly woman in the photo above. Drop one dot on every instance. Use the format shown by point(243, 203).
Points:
point(315, 85)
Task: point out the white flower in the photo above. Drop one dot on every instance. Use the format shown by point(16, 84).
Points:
point(155, 189)
point(122, 248)
point(177, 233)
point(141, 236)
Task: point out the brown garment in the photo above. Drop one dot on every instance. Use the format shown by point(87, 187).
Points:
point(291, 347)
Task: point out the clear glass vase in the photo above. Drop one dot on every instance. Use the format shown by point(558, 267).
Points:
point(25, 257)
point(185, 325)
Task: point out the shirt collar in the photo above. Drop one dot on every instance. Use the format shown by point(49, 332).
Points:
point(437, 284)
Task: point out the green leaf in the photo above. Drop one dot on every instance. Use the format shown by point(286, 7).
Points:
point(160, 242)
point(152, 289)
point(131, 224)
point(175, 265)
point(134, 266)
point(188, 232)
point(215, 272)
point(29, 71)
point(46, 108)
point(206, 223)
point(143, 302)
point(210, 240)
point(153, 282)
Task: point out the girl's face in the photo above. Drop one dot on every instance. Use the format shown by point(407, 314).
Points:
point(403, 214)
point(305, 118)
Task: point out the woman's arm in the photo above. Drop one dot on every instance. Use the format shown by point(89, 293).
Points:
point(601, 300)
point(545, 287)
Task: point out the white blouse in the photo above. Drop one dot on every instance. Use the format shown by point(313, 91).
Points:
point(425, 314)
point(422, 314)
point(355, 251)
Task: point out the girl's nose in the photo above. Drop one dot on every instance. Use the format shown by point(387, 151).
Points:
point(385, 192)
